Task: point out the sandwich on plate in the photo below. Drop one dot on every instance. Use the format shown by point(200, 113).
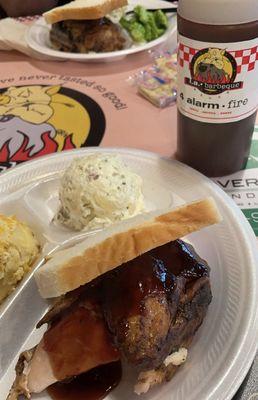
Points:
point(82, 26)
point(130, 296)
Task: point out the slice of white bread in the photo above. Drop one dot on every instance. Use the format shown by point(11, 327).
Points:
point(83, 10)
point(70, 268)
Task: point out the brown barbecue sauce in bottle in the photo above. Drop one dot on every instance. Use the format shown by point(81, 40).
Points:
point(217, 83)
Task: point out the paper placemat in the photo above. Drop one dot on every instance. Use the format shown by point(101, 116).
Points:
point(242, 186)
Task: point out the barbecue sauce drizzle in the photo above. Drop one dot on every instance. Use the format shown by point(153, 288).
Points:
point(153, 271)
point(93, 385)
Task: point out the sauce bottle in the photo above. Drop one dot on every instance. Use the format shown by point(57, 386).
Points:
point(217, 83)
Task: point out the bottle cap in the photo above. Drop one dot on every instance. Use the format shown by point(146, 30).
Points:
point(219, 12)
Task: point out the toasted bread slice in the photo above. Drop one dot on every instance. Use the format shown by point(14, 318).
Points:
point(70, 268)
point(83, 10)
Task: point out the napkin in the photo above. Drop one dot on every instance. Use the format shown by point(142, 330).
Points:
point(13, 36)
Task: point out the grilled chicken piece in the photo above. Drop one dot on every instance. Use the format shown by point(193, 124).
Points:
point(61, 305)
point(79, 342)
point(137, 309)
point(156, 302)
point(147, 309)
point(165, 372)
point(76, 343)
point(20, 385)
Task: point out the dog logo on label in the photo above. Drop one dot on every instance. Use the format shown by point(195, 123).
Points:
point(213, 70)
point(36, 120)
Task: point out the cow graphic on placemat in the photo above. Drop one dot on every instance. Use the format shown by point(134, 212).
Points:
point(36, 120)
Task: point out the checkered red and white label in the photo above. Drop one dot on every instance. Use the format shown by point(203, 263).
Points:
point(217, 82)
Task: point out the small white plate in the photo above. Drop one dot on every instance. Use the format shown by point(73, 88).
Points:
point(37, 38)
point(224, 346)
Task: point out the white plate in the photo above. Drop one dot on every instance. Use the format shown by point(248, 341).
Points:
point(37, 38)
point(151, 4)
point(225, 345)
